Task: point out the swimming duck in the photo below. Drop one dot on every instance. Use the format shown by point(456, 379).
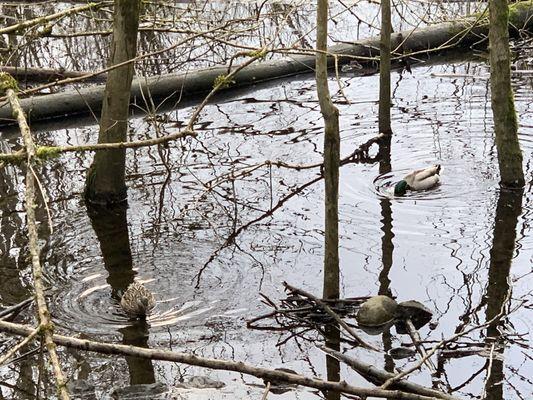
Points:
point(421, 179)
point(137, 301)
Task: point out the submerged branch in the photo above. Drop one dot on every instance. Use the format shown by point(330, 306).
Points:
point(376, 374)
point(439, 345)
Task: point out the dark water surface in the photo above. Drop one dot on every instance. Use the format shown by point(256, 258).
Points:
point(449, 248)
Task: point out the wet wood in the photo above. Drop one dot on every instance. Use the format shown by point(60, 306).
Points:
point(105, 182)
point(502, 98)
point(378, 376)
point(331, 155)
point(384, 118)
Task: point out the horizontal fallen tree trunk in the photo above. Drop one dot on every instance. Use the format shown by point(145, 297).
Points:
point(173, 88)
point(190, 359)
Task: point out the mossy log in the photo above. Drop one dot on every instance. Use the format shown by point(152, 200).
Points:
point(175, 87)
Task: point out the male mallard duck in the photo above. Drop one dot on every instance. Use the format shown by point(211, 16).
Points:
point(137, 301)
point(421, 179)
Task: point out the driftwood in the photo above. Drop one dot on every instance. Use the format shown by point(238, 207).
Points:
point(332, 314)
point(172, 88)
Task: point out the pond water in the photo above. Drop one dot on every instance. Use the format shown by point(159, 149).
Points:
point(445, 248)
point(434, 247)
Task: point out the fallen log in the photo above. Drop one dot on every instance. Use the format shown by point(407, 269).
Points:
point(170, 89)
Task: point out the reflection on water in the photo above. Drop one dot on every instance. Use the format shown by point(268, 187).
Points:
point(387, 246)
point(441, 247)
point(508, 210)
point(111, 228)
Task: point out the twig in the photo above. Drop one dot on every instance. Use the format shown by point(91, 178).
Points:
point(265, 393)
point(415, 337)
point(332, 314)
point(489, 369)
point(23, 343)
point(33, 243)
point(42, 20)
point(442, 343)
point(50, 151)
point(16, 307)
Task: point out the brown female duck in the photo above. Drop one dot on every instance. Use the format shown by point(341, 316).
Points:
point(137, 301)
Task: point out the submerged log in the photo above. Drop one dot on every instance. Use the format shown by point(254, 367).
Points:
point(172, 88)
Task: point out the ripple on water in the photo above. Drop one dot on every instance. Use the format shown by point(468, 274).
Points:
point(89, 304)
point(457, 188)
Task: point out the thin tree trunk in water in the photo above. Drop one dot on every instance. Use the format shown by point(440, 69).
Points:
point(384, 68)
point(105, 182)
point(330, 114)
point(505, 123)
point(331, 157)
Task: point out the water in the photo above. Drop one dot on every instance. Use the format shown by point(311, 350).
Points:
point(431, 246)
point(434, 246)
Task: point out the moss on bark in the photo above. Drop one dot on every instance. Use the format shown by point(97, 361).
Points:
point(502, 99)
point(105, 181)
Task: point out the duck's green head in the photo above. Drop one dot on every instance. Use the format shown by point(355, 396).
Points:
point(401, 188)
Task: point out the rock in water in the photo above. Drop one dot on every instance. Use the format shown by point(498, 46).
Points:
point(376, 314)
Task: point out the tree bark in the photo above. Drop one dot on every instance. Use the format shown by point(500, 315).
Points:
point(330, 114)
point(384, 123)
point(105, 182)
point(502, 99)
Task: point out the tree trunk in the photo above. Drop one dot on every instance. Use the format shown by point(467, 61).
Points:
point(505, 123)
point(331, 157)
point(384, 69)
point(105, 182)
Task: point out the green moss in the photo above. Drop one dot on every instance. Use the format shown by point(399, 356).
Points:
point(11, 158)
point(516, 9)
point(222, 82)
point(258, 53)
point(7, 82)
point(46, 31)
point(47, 152)
point(90, 178)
